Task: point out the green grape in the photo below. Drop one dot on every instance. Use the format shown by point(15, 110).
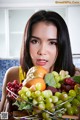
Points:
point(41, 102)
point(38, 86)
point(57, 78)
point(34, 102)
point(40, 98)
point(45, 115)
point(64, 92)
point(58, 103)
point(70, 98)
point(33, 95)
point(58, 85)
point(58, 94)
point(48, 119)
point(20, 92)
point(78, 97)
point(41, 106)
point(37, 93)
point(77, 88)
point(75, 110)
point(49, 100)
point(24, 97)
point(49, 106)
point(24, 89)
point(54, 99)
point(70, 111)
point(55, 73)
point(52, 109)
point(72, 93)
point(63, 74)
point(46, 93)
point(75, 102)
point(64, 96)
point(50, 93)
point(61, 78)
point(28, 93)
point(67, 105)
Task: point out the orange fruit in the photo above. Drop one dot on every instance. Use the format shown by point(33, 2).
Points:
point(35, 81)
point(40, 71)
point(37, 71)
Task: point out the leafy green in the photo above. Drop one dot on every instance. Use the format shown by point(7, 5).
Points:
point(22, 105)
point(49, 79)
point(76, 79)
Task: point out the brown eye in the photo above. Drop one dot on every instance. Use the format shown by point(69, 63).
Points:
point(34, 41)
point(53, 43)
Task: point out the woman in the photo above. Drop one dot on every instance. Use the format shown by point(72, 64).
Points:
point(45, 43)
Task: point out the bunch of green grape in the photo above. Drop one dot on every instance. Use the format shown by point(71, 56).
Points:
point(42, 99)
point(38, 101)
point(55, 79)
point(73, 101)
point(59, 77)
point(44, 102)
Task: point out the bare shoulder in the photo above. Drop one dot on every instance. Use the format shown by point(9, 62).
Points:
point(12, 70)
point(11, 74)
point(77, 71)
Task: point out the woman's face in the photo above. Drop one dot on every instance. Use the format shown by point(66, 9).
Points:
point(43, 50)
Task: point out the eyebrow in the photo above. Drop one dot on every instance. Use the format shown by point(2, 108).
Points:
point(35, 37)
point(39, 38)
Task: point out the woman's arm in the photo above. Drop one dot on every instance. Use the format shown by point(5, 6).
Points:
point(11, 74)
point(3, 99)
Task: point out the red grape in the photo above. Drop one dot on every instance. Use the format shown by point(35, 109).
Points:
point(14, 87)
point(69, 81)
point(52, 89)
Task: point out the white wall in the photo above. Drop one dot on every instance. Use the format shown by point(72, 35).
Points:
point(74, 28)
point(72, 17)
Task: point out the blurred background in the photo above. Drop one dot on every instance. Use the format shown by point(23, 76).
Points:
point(13, 18)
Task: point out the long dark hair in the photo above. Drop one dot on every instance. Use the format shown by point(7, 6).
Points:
point(64, 60)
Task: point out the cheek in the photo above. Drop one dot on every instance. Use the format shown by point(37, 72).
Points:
point(52, 51)
point(32, 51)
point(54, 54)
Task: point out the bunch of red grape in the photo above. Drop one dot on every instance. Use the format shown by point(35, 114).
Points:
point(13, 87)
point(68, 84)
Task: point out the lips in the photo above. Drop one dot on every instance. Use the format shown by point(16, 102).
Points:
point(41, 62)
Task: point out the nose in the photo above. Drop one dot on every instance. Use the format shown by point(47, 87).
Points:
point(42, 50)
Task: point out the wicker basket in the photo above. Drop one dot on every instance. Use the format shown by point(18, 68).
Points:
point(24, 113)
